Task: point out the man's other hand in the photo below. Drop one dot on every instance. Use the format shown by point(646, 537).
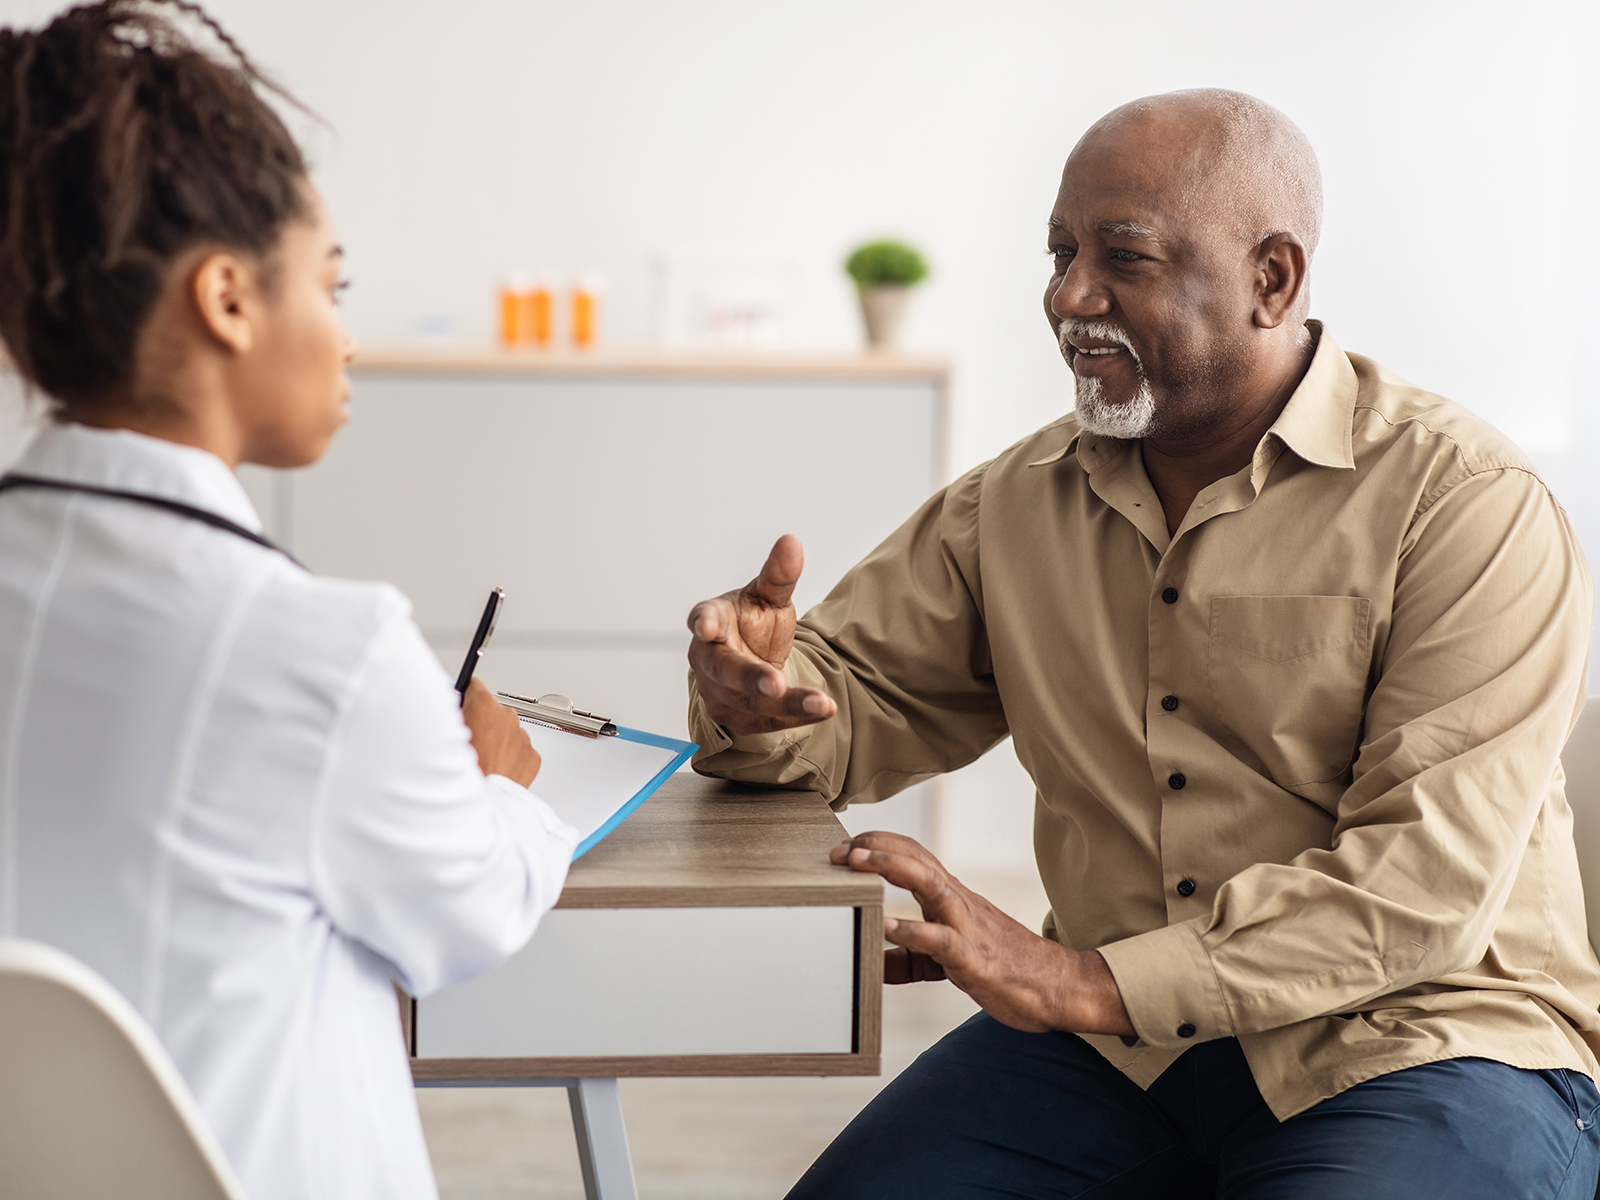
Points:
point(498, 737)
point(741, 641)
point(1018, 977)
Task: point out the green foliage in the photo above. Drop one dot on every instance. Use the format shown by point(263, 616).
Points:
point(886, 262)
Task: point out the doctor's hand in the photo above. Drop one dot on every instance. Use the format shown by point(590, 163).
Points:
point(741, 641)
point(1018, 977)
point(498, 737)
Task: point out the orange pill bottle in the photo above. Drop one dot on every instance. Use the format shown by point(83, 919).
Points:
point(542, 311)
point(516, 310)
point(586, 295)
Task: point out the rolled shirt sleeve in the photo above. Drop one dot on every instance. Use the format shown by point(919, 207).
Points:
point(1480, 682)
point(414, 852)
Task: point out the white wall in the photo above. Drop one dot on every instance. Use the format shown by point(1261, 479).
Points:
point(1457, 140)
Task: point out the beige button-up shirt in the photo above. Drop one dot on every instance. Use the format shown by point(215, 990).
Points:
point(1297, 764)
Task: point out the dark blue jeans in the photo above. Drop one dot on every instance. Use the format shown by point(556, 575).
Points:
point(993, 1112)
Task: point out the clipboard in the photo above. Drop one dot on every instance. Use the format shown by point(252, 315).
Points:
point(594, 772)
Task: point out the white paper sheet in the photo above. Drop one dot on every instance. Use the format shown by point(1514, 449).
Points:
point(586, 780)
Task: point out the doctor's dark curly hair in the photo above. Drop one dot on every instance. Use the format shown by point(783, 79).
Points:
point(122, 144)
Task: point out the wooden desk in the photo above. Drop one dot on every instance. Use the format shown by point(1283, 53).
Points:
point(707, 935)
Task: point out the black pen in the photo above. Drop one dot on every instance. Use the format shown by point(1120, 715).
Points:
point(480, 639)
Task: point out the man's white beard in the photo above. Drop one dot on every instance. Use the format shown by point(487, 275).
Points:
point(1131, 419)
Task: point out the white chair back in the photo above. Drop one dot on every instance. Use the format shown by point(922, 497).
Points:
point(90, 1104)
point(1581, 761)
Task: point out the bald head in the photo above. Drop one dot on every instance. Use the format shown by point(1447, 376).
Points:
point(1238, 164)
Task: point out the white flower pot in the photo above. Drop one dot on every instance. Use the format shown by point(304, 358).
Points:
point(883, 308)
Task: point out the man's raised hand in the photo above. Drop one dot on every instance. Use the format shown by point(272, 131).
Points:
point(741, 641)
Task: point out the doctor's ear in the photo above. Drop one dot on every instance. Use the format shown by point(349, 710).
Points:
point(227, 294)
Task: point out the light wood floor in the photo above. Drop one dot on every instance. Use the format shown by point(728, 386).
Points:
point(693, 1139)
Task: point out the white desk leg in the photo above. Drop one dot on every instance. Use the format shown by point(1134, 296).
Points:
point(602, 1139)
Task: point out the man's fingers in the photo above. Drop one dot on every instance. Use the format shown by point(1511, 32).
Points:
point(712, 620)
point(902, 966)
point(739, 678)
point(880, 839)
point(781, 571)
point(731, 667)
point(938, 942)
point(809, 703)
point(925, 879)
point(797, 706)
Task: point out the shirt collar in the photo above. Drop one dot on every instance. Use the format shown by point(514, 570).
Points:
point(133, 462)
point(1316, 423)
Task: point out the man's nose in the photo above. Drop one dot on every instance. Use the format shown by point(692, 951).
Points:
point(1079, 294)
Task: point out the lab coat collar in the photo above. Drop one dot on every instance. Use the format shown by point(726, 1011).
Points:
point(134, 462)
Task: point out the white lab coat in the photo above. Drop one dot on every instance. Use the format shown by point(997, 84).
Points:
point(244, 794)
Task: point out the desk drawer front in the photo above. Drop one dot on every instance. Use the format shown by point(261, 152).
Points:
point(658, 981)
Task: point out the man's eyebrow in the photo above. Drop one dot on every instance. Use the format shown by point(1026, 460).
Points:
point(1136, 229)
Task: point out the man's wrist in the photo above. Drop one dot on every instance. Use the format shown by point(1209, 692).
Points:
point(1093, 1002)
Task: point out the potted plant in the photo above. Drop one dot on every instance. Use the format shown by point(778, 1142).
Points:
point(885, 272)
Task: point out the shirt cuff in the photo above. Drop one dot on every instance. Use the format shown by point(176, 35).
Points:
point(1169, 986)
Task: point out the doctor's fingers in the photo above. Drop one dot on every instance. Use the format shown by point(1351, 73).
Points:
point(481, 709)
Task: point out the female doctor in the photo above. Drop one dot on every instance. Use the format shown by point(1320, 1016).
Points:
point(242, 793)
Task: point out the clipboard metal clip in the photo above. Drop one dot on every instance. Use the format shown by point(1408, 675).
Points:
point(556, 710)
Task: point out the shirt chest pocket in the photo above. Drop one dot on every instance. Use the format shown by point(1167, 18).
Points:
point(1288, 678)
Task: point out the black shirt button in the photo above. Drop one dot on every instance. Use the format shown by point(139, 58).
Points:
point(1170, 703)
point(1186, 1030)
point(1185, 887)
point(1170, 595)
point(1176, 781)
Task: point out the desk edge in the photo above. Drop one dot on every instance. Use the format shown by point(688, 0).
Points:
point(841, 894)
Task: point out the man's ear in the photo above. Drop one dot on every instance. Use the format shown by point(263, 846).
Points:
point(224, 290)
point(1280, 278)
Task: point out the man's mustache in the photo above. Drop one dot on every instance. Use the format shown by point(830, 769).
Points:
point(1103, 331)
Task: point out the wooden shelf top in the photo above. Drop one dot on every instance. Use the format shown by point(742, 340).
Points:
point(703, 842)
point(650, 363)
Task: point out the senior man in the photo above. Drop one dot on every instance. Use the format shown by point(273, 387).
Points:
point(1290, 648)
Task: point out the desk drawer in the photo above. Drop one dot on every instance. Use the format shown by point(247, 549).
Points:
point(658, 981)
